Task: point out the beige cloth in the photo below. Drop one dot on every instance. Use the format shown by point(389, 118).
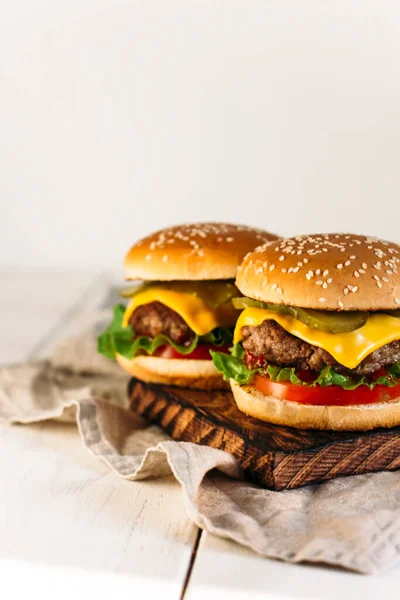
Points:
point(352, 522)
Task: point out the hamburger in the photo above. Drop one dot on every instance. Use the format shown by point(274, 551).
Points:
point(182, 309)
point(317, 344)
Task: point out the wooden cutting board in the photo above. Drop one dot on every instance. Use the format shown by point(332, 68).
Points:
point(275, 457)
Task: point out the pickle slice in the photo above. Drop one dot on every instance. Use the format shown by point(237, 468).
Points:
point(394, 313)
point(323, 320)
point(330, 321)
point(243, 302)
point(132, 290)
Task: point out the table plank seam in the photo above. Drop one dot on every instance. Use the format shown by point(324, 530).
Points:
point(191, 564)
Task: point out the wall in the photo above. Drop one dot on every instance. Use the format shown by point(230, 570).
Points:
point(117, 118)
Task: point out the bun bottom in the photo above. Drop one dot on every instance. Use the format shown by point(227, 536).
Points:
point(306, 416)
point(182, 372)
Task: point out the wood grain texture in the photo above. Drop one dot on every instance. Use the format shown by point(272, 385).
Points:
point(67, 522)
point(276, 457)
point(227, 571)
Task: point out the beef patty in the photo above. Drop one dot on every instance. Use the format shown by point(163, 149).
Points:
point(272, 343)
point(154, 318)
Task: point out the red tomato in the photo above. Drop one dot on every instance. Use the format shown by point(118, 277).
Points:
point(201, 352)
point(330, 395)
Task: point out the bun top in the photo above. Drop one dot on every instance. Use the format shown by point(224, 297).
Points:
point(193, 252)
point(324, 271)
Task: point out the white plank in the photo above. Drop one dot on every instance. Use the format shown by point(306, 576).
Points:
point(223, 570)
point(63, 508)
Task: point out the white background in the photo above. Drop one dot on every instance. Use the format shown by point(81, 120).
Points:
point(117, 118)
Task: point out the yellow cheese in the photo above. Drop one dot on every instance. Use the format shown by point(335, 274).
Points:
point(349, 349)
point(200, 317)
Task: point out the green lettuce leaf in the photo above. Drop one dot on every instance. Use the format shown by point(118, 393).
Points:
point(220, 336)
point(233, 367)
point(150, 345)
point(117, 339)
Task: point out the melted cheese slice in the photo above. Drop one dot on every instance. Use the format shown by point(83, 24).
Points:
point(200, 317)
point(349, 349)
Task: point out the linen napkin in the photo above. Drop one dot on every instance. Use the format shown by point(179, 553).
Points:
point(351, 522)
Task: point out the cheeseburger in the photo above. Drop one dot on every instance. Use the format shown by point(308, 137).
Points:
point(183, 308)
point(317, 344)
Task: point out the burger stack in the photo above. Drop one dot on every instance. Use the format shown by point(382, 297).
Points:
point(304, 330)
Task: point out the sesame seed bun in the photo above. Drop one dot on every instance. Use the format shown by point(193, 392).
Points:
point(324, 271)
point(199, 374)
point(306, 416)
point(193, 252)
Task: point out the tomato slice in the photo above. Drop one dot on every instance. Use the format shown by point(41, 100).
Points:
point(201, 352)
point(331, 395)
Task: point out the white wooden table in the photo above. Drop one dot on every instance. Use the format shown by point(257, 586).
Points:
point(69, 528)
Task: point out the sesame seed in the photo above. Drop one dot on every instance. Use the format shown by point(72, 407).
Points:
point(282, 257)
point(329, 280)
point(341, 305)
point(318, 272)
point(356, 274)
point(318, 282)
point(229, 239)
point(377, 266)
point(325, 273)
point(284, 270)
point(385, 279)
point(378, 283)
point(295, 269)
point(279, 290)
point(361, 271)
point(322, 299)
point(340, 266)
point(165, 257)
point(347, 263)
point(397, 300)
point(272, 267)
point(324, 285)
point(354, 288)
point(376, 277)
point(345, 291)
point(308, 276)
point(352, 257)
point(274, 286)
point(389, 272)
point(364, 265)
